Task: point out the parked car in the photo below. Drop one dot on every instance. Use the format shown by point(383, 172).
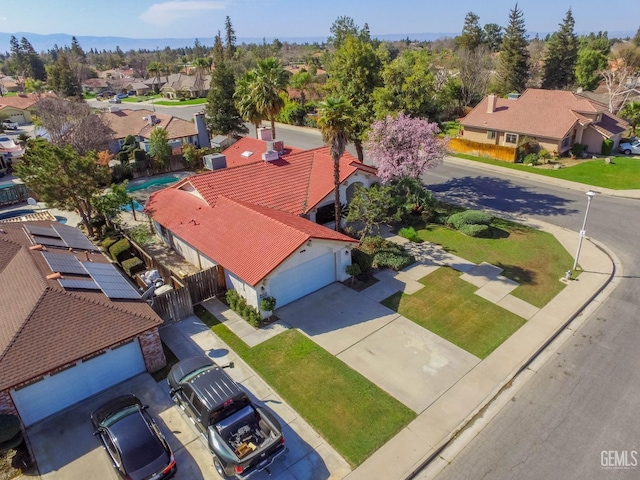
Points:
point(121, 95)
point(9, 125)
point(115, 100)
point(244, 438)
point(631, 147)
point(133, 441)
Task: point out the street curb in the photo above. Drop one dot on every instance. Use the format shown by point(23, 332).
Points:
point(471, 426)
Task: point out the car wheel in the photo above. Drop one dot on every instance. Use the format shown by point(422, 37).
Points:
point(219, 469)
point(627, 152)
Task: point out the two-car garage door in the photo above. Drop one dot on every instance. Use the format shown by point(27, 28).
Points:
point(56, 392)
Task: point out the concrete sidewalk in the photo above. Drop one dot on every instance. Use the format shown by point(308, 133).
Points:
point(423, 438)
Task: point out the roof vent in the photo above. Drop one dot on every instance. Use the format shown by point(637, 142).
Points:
point(270, 156)
point(113, 108)
point(513, 96)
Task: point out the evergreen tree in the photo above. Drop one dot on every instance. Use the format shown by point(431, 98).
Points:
point(472, 35)
point(221, 114)
point(230, 38)
point(34, 64)
point(589, 64)
point(513, 63)
point(562, 54)
point(341, 29)
point(62, 79)
point(218, 50)
point(493, 36)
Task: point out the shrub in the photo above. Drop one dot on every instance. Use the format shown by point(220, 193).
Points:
point(476, 230)
point(469, 217)
point(410, 234)
point(531, 159)
point(120, 173)
point(120, 250)
point(133, 266)
point(607, 147)
point(393, 260)
point(139, 155)
point(107, 242)
point(268, 304)
point(232, 297)
point(10, 432)
point(578, 149)
point(363, 259)
point(544, 154)
point(129, 140)
point(353, 270)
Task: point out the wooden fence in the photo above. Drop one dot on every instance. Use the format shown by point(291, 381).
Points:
point(204, 284)
point(173, 305)
point(497, 152)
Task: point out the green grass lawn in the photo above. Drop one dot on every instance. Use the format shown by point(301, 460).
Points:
point(451, 128)
point(530, 257)
point(351, 413)
point(173, 103)
point(622, 174)
point(448, 307)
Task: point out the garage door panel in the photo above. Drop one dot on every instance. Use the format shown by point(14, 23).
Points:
point(303, 279)
point(56, 392)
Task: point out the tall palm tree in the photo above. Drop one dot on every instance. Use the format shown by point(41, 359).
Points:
point(203, 66)
point(244, 101)
point(336, 123)
point(155, 69)
point(270, 80)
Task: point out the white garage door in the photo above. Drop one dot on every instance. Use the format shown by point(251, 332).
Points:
point(303, 279)
point(17, 117)
point(53, 393)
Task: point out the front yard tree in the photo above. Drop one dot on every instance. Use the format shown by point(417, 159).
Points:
point(562, 54)
point(336, 123)
point(62, 178)
point(221, 113)
point(71, 122)
point(159, 148)
point(372, 206)
point(513, 62)
point(244, 102)
point(404, 147)
point(269, 82)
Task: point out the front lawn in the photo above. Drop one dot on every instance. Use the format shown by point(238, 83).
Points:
point(533, 258)
point(173, 103)
point(622, 174)
point(448, 307)
point(351, 413)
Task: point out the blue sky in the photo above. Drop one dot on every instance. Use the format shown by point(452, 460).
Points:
point(295, 18)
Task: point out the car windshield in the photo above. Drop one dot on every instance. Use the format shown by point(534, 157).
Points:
point(138, 444)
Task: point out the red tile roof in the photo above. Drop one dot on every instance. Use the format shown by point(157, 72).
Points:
point(131, 122)
point(23, 102)
point(43, 326)
point(539, 113)
point(294, 184)
point(248, 240)
point(257, 147)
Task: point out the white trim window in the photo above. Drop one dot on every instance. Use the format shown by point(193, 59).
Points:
point(566, 141)
point(491, 134)
point(511, 138)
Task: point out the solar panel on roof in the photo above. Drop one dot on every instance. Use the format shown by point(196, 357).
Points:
point(75, 238)
point(42, 231)
point(78, 284)
point(64, 263)
point(111, 282)
point(49, 241)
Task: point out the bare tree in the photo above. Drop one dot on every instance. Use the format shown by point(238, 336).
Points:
point(70, 122)
point(622, 74)
point(475, 73)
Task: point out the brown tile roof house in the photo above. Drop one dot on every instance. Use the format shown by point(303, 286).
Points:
point(186, 85)
point(557, 119)
point(140, 124)
point(19, 107)
point(49, 326)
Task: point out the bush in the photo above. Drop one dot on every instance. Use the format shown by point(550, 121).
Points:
point(476, 230)
point(232, 297)
point(410, 234)
point(121, 250)
point(363, 259)
point(607, 147)
point(578, 149)
point(531, 159)
point(353, 270)
point(393, 260)
point(133, 266)
point(120, 173)
point(107, 242)
point(268, 304)
point(139, 155)
point(469, 217)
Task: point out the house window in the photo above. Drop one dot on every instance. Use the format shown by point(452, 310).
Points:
point(491, 134)
point(565, 142)
point(511, 138)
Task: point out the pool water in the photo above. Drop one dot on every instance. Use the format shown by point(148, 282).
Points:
point(155, 182)
point(137, 205)
point(14, 213)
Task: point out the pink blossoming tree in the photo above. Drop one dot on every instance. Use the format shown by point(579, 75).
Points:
point(404, 147)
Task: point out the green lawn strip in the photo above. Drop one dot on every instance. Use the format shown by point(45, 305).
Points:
point(174, 103)
point(530, 257)
point(448, 307)
point(622, 174)
point(351, 413)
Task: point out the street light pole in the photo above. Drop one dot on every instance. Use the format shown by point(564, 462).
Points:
point(583, 232)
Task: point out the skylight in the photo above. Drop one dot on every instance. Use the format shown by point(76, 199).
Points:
point(247, 153)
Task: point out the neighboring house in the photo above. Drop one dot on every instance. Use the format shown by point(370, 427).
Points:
point(95, 85)
point(19, 108)
point(557, 119)
point(66, 334)
point(632, 94)
point(185, 86)
point(258, 221)
point(140, 124)
point(9, 84)
point(139, 88)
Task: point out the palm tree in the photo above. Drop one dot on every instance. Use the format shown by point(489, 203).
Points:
point(155, 69)
point(336, 122)
point(301, 81)
point(244, 102)
point(203, 66)
point(631, 113)
point(270, 80)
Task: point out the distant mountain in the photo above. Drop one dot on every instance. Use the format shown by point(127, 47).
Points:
point(45, 42)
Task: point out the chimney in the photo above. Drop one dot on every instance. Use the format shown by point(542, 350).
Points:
point(276, 146)
point(203, 135)
point(265, 134)
point(151, 119)
point(491, 103)
point(270, 156)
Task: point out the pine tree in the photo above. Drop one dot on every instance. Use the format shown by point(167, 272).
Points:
point(218, 50)
point(472, 35)
point(230, 38)
point(562, 54)
point(513, 63)
point(221, 114)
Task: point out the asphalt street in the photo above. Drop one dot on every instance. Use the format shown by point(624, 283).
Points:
point(583, 404)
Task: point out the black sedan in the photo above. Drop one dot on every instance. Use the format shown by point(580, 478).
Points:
point(133, 441)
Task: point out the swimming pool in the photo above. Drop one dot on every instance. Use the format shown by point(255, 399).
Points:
point(14, 213)
point(153, 182)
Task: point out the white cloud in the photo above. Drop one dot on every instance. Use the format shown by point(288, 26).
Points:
point(167, 12)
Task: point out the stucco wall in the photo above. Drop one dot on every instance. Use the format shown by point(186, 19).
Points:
point(363, 178)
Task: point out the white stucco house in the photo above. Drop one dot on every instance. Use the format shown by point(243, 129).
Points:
point(257, 220)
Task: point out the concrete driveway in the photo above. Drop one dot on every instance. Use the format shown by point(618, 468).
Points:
point(412, 364)
point(65, 448)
